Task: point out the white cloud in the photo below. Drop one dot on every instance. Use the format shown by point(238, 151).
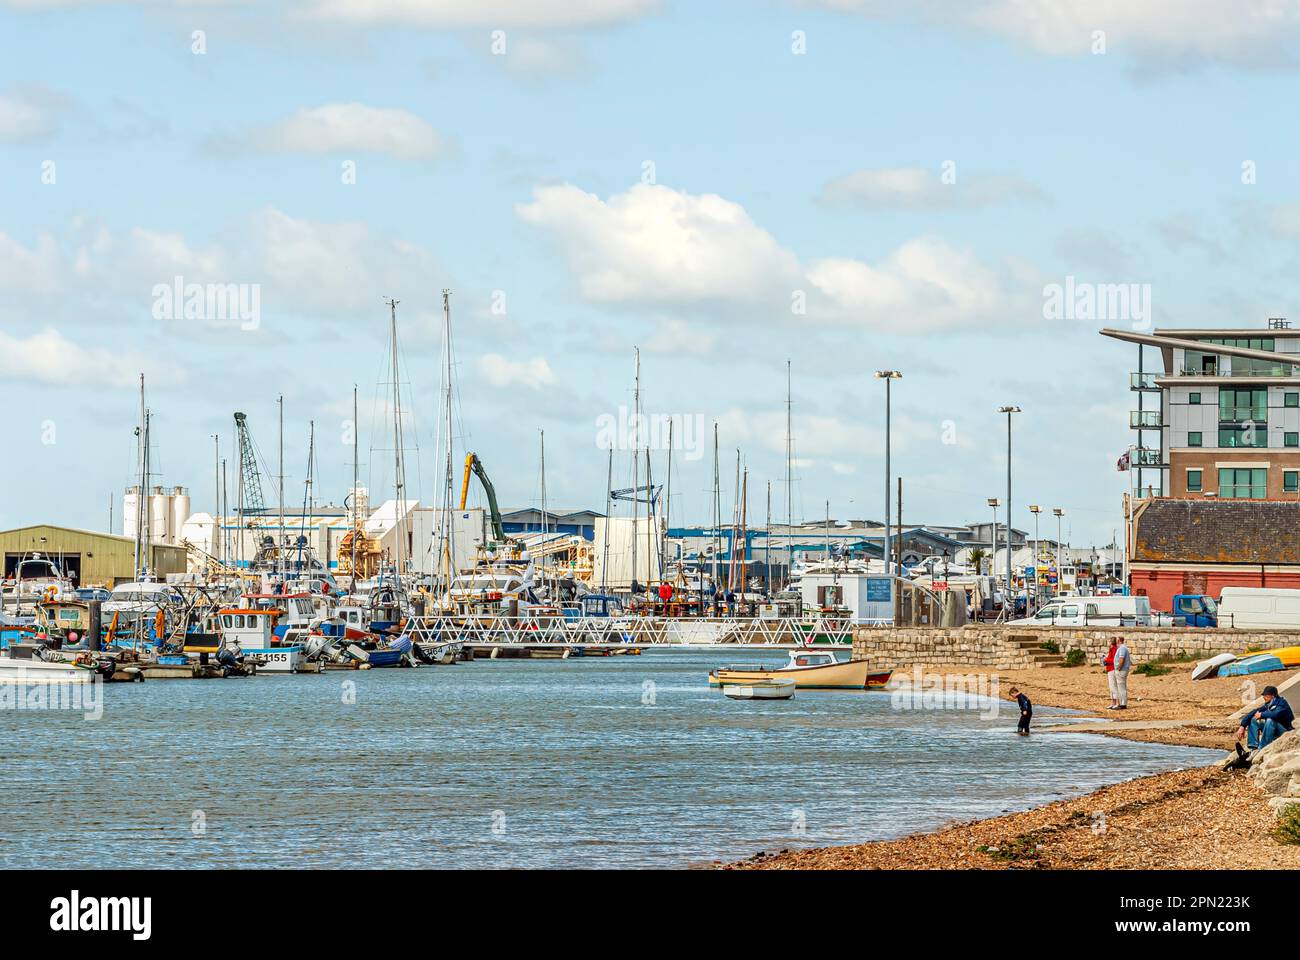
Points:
point(304, 268)
point(29, 113)
point(50, 357)
point(920, 189)
point(1164, 33)
point(535, 58)
point(482, 13)
point(502, 372)
point(353, 127)
point(653, 246)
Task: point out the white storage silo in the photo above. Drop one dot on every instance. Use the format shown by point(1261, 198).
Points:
point(160, 516)
point(131, 512)
point(180, 513)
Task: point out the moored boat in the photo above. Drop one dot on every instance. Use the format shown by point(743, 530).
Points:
point(760, 690)
point(810, 670)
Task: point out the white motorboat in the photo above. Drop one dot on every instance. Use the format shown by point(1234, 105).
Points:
point(24, 670)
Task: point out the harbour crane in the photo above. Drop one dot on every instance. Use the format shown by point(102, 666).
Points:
point(250, 478)
point(474, 464)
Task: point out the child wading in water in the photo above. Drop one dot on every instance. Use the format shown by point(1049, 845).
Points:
point(1026, 712)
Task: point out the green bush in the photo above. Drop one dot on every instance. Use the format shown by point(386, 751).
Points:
point(1151, 670)
point(1288, 826)
point(1051, 646)
point(1075, 658)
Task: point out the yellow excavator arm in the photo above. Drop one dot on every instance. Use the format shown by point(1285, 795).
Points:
point(464, 486)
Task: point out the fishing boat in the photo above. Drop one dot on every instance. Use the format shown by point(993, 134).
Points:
point(760, 690)
point(810, 670)
point(251, 629)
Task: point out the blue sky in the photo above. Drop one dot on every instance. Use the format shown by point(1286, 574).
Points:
point(526, 176)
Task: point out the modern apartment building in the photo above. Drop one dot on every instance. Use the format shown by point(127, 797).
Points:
point(1217, 412)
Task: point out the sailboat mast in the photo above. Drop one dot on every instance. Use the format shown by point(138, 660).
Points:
point(636, 455)
point(668, 502)
point(609, 490)
point(542, 544)
point(789, 458)
point(140, 465)
point(279, 551)
point(717, 511)
point(399, 479)
point(356, 517)
point(448, 554)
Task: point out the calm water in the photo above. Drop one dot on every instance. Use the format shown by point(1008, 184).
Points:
point(512, 764)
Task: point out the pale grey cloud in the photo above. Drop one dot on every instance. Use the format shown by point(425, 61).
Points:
point(917, 188)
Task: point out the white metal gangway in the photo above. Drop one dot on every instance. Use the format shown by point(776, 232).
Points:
point(686, 632)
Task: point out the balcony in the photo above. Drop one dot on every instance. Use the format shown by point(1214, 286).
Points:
point(1142, 381)
point(1145, 420)
point(1146, 457)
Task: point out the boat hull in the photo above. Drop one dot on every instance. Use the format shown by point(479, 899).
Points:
point(277, 659)
point(38, 671)
point(769, 690)
point(848, 675)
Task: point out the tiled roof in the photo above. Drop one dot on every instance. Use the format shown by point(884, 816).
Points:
point(1218, 531)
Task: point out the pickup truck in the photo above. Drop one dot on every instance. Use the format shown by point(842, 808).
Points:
point(1196, 610)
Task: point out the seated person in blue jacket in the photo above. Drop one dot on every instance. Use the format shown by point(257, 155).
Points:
point(1267, 723)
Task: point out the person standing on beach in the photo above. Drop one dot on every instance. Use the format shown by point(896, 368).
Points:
point(1026, 712)
point(1109, 661)
point(1123, 664)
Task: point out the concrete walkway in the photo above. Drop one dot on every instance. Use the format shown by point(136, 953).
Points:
point(1106, 726)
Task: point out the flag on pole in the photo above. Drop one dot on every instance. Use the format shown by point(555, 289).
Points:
point(1124, 462)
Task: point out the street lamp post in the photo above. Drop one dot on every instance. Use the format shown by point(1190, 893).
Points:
point(1035, 509)
point(1009, 411)
point(1059, 514)
point(888, 376)
point(994, 502)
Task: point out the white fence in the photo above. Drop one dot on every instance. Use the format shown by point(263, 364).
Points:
point(674, 631)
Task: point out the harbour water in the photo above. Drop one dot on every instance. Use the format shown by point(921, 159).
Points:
point(628, 761)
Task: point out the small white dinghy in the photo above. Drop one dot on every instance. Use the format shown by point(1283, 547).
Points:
point(761, 690)
point(1208, 668)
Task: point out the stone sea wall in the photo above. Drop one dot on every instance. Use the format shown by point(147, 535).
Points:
point(1021, 647)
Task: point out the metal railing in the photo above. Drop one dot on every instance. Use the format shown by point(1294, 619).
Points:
point(668, 631)
point(1145, 419)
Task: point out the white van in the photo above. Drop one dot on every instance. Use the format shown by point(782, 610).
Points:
point(1260, 608)
point(1092, 611)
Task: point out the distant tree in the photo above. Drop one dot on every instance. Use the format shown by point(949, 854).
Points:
point(977, 558)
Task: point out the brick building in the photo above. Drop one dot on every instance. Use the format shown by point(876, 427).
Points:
point(1186, 545)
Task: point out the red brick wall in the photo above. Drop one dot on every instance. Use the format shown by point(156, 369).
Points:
point(1162, 585)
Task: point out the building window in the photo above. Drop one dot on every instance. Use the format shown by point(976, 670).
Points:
point(1193, 481)
point(1291, 439)
point(1194, 439)
point(1291, 481)
point(1238, 405)
point(1194, 398)
point(1243, 483)
point(1244, 435)
point(1291, 399)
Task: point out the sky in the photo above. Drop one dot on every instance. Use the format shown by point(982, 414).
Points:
point(846, 185)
